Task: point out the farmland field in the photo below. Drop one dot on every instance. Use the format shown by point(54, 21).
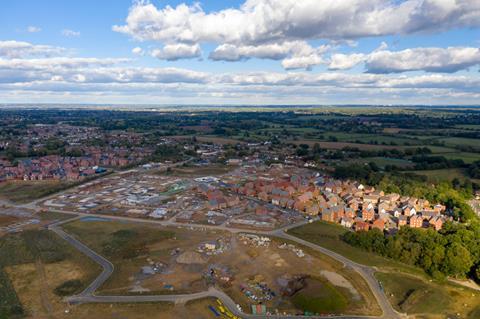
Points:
point(25, 191)
point(413, 295)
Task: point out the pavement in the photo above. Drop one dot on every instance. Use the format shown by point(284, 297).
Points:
point(89, 296)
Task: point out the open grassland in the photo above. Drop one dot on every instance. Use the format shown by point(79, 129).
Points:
point(340, 145)
point(439, 175)
point(460, 141)
point(10, 305)
point(329, 236)
point(38, 253)
point(416, 296)
point(464, 156)
point(25, 191)
point(320, 297)
point(44, 303)
point(384, 161)
point(52, 216)
point(194, 171)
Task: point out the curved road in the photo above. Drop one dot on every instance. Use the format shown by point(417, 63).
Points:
point(88, 295)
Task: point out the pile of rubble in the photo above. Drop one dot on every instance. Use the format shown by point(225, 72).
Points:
point(299, 252)
point(255, 240)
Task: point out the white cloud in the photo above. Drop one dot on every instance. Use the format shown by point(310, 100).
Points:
point(450, 59)
point(138, 51)
point(33, 29)
point(295, 54)
point(19, 49)
point(341, 61)
point(275, 51)
point(84, 78)
point(445, 60)
point(70, 33)
point(267, 21)
point(57, 63)
point(173, 52)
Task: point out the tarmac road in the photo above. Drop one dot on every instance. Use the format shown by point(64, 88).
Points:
point(88, 295)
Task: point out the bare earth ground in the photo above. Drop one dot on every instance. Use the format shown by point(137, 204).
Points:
point(242, 263)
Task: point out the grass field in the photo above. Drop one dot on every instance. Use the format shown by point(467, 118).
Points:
point(413, 295)
point(439, 175)
point(340, 145)
point(464, 156)
point(33, 251)
point(10, 305)
point(383, 161)
point(50, 216)
point(328, 235)
point(460, 141)
point(25, 191)
point(320, 297)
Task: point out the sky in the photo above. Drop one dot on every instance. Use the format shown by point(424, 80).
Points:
point(246, 52)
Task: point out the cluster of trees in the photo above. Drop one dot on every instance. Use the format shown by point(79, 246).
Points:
point(423, 162)
point(453, 251)
point(473, 170)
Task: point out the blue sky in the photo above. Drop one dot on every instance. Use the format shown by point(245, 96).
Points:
point(240, 52)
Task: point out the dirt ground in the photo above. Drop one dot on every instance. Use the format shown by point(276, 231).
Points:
point(7, 220)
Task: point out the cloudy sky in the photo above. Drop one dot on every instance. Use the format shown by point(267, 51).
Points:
point(240, 52)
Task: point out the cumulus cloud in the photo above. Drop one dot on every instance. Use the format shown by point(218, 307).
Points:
point(178, 51)
point(138, 51)
point(266, 29)
point(19, 49)
point(445, 60)
point(294, 54)
point(275, 51)
point(70, 33)
point(448, 60)
point(57, 63)
point(341, 61)
point(266, 21)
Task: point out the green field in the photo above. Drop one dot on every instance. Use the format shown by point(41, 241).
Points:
point(384, 161)
point(414, 295)
point(474, 127)
point(30, 247)
point(329, 236)
point(25, 191)
point(460, 141)
point(319, 297)
point(464, 156)
point(10, 306)
point(439, 175)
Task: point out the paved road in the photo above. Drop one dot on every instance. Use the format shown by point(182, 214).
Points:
point(88, 295)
